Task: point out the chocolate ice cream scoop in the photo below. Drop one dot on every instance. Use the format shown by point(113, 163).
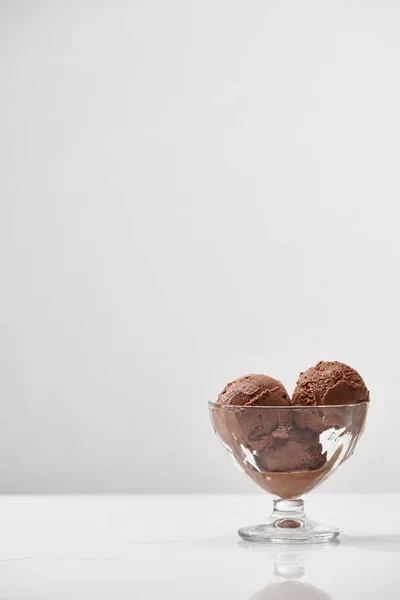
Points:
point(254, 390)
point(329, 383)
point(247, 393)
point(298, 450)
point(286, 438)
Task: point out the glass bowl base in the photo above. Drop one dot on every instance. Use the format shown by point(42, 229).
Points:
point(288, 530)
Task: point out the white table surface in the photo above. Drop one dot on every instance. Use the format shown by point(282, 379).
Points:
point(186, 547)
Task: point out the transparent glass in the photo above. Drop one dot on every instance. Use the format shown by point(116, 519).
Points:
point(288, 451)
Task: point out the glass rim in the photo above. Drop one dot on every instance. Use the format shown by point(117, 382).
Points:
point(214, 404)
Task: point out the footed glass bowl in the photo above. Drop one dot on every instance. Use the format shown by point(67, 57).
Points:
point(288, 451)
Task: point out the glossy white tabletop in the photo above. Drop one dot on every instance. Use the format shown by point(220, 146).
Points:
point(186, 547)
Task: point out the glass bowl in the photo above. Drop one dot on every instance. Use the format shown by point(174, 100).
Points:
point(288, 451)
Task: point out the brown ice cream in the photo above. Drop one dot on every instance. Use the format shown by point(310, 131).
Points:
point(277, 444)
point(300, 450)
point(288, 465)
point(280, 447)
point(246, 393)
point(329, 383)
point(254, 390)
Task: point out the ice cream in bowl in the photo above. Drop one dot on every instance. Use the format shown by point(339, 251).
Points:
point(289, 446)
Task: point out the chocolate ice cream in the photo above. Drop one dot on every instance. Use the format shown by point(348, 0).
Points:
point(298, 450)
point(246, 393)
point(329, 383)
point(288, 462)
point(276, 439)
point(276, 443)
point(254, 390)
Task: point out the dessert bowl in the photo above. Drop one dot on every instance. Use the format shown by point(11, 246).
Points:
point(288, 451)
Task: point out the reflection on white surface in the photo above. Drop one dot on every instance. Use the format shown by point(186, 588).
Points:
point(186, 548)
point(290, 590)
point(289, 580)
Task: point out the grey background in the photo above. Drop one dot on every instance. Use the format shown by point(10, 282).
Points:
point(191, 191)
